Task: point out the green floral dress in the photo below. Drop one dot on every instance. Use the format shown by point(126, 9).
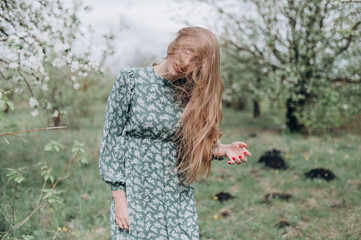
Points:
point(136, 155)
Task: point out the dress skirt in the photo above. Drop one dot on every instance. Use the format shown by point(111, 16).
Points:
point(158, 207)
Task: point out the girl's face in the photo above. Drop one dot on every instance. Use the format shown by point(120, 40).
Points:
point(182, 62)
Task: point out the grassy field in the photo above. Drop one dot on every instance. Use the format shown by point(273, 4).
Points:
point(316, 210)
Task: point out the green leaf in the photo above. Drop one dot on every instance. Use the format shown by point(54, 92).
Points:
point(10, 104)
point(47, 148)
point(19, 179)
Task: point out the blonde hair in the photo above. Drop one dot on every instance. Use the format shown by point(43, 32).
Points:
point(200, 91)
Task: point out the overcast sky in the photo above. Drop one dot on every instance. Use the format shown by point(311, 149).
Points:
point(151, 26)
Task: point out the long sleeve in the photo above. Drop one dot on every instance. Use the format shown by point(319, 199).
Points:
point(111, 157)
point(213, 157)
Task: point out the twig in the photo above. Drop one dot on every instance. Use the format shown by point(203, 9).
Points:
point(38, 129)
point(71, 170)
point(13, 205)
point(37, 207)
point(72, 158)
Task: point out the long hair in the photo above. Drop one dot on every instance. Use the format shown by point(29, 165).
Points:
point(200, 91)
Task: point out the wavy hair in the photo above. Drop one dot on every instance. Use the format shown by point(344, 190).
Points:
point(200, 91)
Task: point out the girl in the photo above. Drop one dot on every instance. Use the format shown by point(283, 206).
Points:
point(161, 133)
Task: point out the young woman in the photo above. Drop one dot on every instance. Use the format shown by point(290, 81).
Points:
point(161, 133)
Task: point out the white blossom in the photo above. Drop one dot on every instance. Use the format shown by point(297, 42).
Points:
point(76, 86)
point(48, 106)
point(37, 82)
point(58, 62)
point(45, 87)
point(345, 106)
point(68, 59)
point(13, 65)
point(21, 34)
point(44, 37)
point(73, 78)
point(33, 102)
point(55, 114)
point(35, 112)
point(41, 69)
point(14, 38)
point(235, 86)
point(74, 66)
point(29, 40)
point(1, 94)
point(18, 90)
point(60, 47)
point(83, 74)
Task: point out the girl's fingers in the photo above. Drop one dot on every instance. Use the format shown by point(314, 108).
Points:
point(247, 153)
point(125, 225)
point(237, 160)
point(127, 220)
point(242, 144)
point(119, 223)
point(242, 158)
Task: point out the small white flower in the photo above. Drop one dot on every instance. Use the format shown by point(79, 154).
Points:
point(29, 40)
point(68, 59)
point(345, 106)
point(58, 62)
point(14, 38)
point(35, 113)
point(13, 65)
point(37, 82)
point(60, 47)
point(33, 102)
point(74, 66)
point(1, 94)
point(76, 86)
point(48, 106)
point(45, 87)
point(235, 86)
point(44, 37)
point(102, 70)
point(73, 78)
point(55, 114)
point(21, 34)
point(46, 79)
point(18, 90)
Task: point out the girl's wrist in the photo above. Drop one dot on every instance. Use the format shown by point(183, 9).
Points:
point(118, 195)
point(223, 149)
point(220, 151)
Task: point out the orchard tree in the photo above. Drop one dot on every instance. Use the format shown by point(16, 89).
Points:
point(37, 58)
point(244, 78)
point(302, 49)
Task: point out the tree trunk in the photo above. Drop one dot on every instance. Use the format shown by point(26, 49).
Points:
point(256, 109)
point(292, 122)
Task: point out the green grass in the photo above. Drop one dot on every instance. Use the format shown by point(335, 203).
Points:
point(317, 209)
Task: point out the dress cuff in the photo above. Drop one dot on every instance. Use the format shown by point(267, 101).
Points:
point(116, 186)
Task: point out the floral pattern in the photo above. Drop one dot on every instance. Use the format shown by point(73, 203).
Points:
point(137, 155)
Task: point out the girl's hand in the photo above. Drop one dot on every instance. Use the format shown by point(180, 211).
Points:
point(237, 153)
point(121, 209)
